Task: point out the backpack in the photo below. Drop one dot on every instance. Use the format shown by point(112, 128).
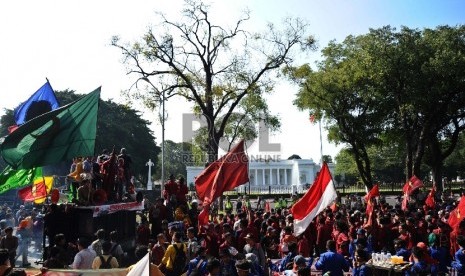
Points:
point(105, 264)
point(180, 259)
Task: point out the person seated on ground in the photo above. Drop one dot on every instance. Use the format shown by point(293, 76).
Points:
point(286, 260)
point(420, 266)
point(299, 262)
point(54, 261)
point(106, 260)
point(97, 244)
point(256, 268)
point(401, 250)
point(331, 261)
point(116, 249)
point(85, 256)
point(359, 263)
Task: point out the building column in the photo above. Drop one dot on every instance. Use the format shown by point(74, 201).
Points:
point(278, 182)
point(263, 177)
point(256, 176)
point(285, 177)
point(271, 177)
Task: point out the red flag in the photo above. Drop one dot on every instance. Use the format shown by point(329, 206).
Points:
point(430, 198)
point(370, 207)
point(224, 174)
point(412, 185)
point(405, 203)
point(374, 192)
point(457, 214)
point(37, 191)
point(319, 196)
point(267, 207)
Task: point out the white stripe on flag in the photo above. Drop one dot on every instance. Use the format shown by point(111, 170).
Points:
point(329, 195)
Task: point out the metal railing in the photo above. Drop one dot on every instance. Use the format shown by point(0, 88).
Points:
point(384, 188)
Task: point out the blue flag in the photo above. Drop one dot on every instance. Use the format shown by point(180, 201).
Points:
point(42, 101)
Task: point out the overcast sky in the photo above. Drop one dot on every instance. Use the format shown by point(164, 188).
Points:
point(68, 42)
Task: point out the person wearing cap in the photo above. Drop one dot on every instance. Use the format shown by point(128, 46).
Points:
point(255, 248)
point(85, 257)
point(298, 262)
point(331, 261)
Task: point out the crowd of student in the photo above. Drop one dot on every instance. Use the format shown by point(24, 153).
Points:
point(254, 239)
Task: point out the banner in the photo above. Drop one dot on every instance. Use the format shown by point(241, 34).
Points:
point(112, 208)
point(12, 179)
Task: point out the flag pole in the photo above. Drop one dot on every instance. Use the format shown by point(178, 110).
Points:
point(321, 141)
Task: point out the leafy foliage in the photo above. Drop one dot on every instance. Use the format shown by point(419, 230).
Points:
point(398, 88)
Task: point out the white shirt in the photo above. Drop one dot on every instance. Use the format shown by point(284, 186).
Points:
point(84, 259)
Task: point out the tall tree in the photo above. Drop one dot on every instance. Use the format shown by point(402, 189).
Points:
point(407, 85)
point(212, 66)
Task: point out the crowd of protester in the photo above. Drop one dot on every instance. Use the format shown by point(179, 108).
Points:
point(242, 238)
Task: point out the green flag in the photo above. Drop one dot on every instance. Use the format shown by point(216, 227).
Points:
point(11, 179)
point(55, 136)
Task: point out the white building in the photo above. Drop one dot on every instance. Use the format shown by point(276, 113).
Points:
point(286, 175)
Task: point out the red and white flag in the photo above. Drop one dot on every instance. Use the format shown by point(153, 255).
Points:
point(320, 195)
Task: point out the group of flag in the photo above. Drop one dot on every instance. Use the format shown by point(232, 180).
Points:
point(232, 170)
point(46, 134)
